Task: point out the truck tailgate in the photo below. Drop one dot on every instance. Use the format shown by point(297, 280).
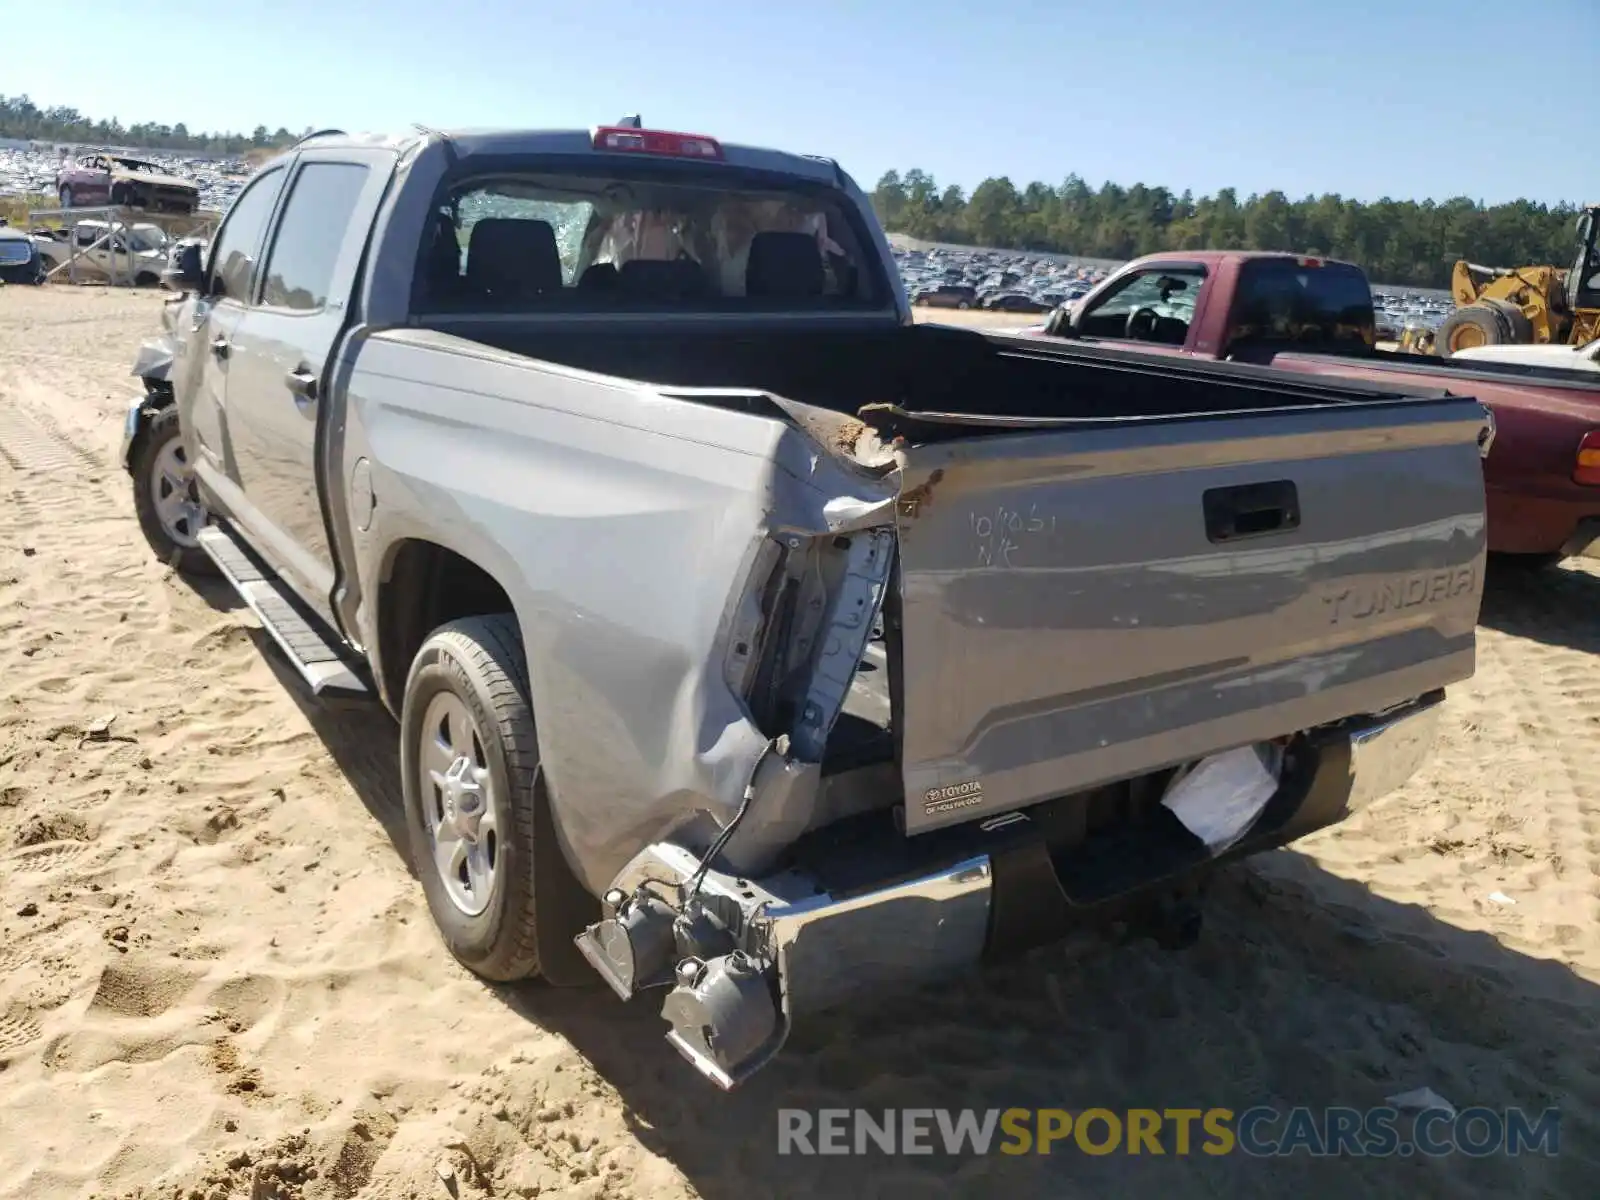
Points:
point(1084, 601)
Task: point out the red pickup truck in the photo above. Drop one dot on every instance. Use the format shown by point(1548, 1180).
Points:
point(1315, 316)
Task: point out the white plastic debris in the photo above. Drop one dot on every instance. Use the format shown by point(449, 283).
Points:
point(1221, 797)
point(1420, 1100)
point(1501, 898)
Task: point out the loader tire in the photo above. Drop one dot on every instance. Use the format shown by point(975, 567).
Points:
point(1516, 320)
point(1474, 325)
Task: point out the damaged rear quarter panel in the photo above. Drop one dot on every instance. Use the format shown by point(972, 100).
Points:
point(623, 524)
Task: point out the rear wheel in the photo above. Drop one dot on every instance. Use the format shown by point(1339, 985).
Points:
point(477, 811)
point(166, 496)
point(1474, 325)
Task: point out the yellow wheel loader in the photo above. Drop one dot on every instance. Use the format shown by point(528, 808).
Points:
point(1528, 305)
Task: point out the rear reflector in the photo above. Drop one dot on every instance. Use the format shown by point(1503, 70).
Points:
point(656, 141)
point(1588, 468)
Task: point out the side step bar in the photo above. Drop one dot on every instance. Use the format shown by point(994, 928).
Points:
point(309, 645)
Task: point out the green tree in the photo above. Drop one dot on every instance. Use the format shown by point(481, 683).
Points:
point(1397, 242)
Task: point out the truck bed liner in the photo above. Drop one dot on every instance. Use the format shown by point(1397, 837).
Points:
point(931, 369)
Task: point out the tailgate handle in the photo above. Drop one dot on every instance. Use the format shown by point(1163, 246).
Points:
point(1251, 510)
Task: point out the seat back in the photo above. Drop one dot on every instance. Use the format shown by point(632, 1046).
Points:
point(508, 259)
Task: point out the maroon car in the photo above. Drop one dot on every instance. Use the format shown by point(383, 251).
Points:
point(100, 178)
point(1315, 316)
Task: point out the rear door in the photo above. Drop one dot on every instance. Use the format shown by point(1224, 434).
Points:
point(1093, 601)
point(279, 365)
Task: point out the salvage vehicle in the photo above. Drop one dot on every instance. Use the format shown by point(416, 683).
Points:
point(747, 640)
point(135, 254)
point(1313, 315)
point(19, 259)
point(101, 178)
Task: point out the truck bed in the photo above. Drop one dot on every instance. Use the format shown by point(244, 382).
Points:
point(928, 368)
point(1108, 564)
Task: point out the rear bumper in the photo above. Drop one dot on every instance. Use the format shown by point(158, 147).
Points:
point(871, 909)
point(1520, 523)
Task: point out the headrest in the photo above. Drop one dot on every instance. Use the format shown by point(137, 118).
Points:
point(508, 258)
point(784, 266)
point(600, 277)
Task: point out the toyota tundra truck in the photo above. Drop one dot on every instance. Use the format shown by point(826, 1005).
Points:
point(748, 641)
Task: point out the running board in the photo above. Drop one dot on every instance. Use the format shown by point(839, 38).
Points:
point(309, 645)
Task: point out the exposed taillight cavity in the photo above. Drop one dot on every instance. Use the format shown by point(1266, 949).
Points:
point(657, 141)
point(1588, 469)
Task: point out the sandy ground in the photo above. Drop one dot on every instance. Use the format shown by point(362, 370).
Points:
point(218, 979)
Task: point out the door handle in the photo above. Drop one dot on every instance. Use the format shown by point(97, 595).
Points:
point(219, 347)
point(303, 384)
point(1251, 510)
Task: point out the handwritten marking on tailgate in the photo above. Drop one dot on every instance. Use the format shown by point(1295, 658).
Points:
point(1005, 532)
point(952, 797)
point(1396, 593)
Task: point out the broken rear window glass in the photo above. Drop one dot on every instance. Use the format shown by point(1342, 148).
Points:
point(542, 242)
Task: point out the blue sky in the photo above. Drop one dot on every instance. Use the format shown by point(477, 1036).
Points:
point(1409, 98)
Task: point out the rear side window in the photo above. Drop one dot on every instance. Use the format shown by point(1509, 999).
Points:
point(305, 250)
point(1284, 300)
point(542, 241)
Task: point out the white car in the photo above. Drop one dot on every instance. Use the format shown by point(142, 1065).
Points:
point(1568, 358)
point(135, 253)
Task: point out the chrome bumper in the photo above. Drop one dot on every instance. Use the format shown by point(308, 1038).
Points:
point(746, 957)
point(1389, 750)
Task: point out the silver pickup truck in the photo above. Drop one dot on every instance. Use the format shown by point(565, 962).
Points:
point(747, 640)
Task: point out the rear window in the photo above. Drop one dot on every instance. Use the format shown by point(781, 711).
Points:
point(1280, 300)
point(541, 242)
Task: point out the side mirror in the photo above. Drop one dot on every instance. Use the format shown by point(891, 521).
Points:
point(1059, 322)
point(186, 270)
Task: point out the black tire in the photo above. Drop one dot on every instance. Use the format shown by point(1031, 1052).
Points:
point(161, 430)
point(1515, 320)
point(146, 279)
point(1477, 324)
point(535, 906)
point(121, 195)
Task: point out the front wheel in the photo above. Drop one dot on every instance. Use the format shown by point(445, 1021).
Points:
point(166, 496)
point(477, 812)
